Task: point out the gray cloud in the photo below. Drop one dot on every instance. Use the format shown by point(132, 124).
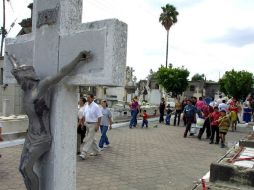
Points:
point(236, 37)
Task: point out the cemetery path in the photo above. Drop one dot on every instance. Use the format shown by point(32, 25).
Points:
point(138, 159)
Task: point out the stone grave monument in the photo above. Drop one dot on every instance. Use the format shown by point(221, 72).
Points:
point(57, 38)
point(236, 168)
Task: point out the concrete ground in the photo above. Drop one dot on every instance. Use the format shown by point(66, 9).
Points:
point(138, 159)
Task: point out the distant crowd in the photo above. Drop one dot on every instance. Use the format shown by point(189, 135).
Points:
point(215, 117)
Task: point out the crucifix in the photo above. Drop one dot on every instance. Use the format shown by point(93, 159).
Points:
point(58, 36)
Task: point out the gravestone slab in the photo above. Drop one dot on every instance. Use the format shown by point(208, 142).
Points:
point(235, 168)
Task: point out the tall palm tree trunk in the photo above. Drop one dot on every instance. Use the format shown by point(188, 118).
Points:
point(167, 50)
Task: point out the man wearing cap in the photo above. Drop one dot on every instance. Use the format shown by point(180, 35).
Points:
point(92, 117)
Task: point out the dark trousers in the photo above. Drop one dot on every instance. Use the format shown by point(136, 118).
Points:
point(82, 132)
point(184, 121)
point(189, 121)
point(206, 127)
point(168, 117)
point(215, 129)
point(161, 116)
point(145, 123)
point(177, 115)
point(133, 121)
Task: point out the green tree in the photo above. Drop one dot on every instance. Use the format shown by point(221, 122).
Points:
point(173, 79)
point(236, 83)
point(198, 77)
point(168, 17)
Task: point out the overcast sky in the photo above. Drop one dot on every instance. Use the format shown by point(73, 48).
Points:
point(210, 37)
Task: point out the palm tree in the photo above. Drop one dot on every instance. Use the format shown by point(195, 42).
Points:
point(168, 17)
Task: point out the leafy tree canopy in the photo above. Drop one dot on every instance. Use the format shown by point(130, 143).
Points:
point(198, 77)
point(173, 79)
point(236, 83)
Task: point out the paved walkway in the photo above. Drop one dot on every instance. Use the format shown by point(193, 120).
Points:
point(138, 159)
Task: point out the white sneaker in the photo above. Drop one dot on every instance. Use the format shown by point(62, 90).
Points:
point(105, 146)
point(83, 156)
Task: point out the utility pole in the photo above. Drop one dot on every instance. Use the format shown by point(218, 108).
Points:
point(3, 31)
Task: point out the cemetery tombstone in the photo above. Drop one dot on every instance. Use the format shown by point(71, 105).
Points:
point(57, 37)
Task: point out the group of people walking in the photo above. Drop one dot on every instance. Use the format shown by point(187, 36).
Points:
point(215, 117)
point(91, 118)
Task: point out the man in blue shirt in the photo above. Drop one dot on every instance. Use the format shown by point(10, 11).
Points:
point(190, 115)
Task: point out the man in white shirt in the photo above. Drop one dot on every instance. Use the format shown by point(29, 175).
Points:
point(219, 100)
point(92, 117)
point(223, 106)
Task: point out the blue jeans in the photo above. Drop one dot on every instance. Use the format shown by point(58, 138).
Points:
point(145, 122)
point(133, 121)
point(168, 117)
point(104, 138)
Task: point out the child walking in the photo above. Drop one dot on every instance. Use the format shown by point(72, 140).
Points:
point(233, 110)
point(224, 124)
point(145, 121)
point(215, 125)
point(168, 116)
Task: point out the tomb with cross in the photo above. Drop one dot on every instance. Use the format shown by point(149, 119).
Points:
point(57, 37)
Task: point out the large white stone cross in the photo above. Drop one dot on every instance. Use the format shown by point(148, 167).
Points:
point(57, 37)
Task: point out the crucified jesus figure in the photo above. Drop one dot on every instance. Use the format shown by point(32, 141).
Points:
point(36, 104)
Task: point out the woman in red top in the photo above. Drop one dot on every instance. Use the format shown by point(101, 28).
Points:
point(215, 125)
point(207, 110)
